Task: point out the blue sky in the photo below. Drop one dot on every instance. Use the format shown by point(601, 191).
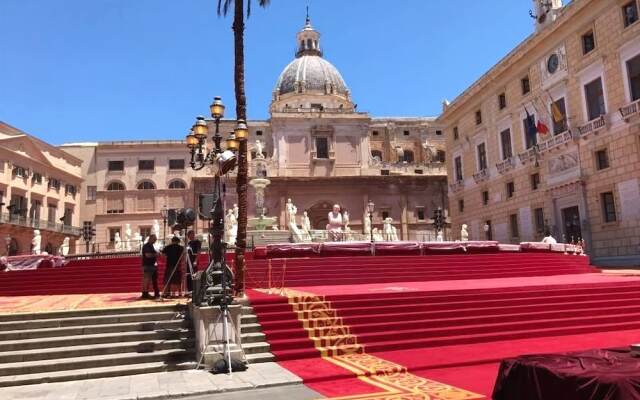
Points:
point(78, 70)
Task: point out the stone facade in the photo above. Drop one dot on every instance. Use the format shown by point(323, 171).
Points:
point(582, 178)
point(39, 186)
point(319, 150)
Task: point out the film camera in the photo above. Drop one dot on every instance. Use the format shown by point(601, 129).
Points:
point(181, 218)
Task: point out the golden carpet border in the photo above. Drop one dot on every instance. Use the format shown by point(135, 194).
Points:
point(337, 345)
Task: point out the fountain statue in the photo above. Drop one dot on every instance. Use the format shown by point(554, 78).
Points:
point(127, 237)
point(36, 242)
point(464, 235)
point(117, 242)
point(259, 149)
point(230, 228)
point(439, 236)
point(389, 232)
point(334, 227)
point(64, 247)
point(306, 223)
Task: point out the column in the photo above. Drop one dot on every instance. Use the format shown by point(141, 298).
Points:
point(404, 219)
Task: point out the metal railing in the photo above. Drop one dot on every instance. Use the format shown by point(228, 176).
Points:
point(20, 220)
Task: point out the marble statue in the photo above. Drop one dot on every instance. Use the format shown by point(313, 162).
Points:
point(306, 223)
point(377, 236)
point(64, 247)
point(464, 234)
point(400, 153)
point(367, 224)
point(127, 237)
point(117, 242)
point(292, 215)
point(439, 236)
point(156, 228)
point(259, 149)
point(298, 235)
point(230, 228)
point(36, 242)
point(137, 241)
point(345, 220)
point(389, 232)
point(287, 211)
point(334, 227)
point(236, 211)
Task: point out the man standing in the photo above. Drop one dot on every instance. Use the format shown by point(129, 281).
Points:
point(172, 272)
point(193, 248)
point(150, 268)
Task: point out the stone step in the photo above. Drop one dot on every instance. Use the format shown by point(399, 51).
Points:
point(93, 373)
point(88, 320)
point(167, 333)
point(247, 310)
point(250, 328)
point(93, 329)
point(257, 347)
point(248, 319)
point(260, 358)
point(91, 312)
point(61, 353)
point(252, 337)
point(169, 356)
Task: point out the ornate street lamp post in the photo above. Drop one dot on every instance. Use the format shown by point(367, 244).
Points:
point(223, 162)
point(164, 213)
point(370, 208)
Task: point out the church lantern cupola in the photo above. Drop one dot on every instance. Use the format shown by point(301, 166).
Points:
point(308, 40)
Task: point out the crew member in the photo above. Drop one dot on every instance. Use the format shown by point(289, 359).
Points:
point(193, 248)
point(172, 272)
point(150, 268)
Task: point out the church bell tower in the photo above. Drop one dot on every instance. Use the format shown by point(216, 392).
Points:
point(544, 12)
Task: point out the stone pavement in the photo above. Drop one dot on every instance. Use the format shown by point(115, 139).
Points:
point(290, 392)
point(161, 385)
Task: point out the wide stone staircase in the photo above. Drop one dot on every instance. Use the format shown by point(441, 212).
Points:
point(84, 344)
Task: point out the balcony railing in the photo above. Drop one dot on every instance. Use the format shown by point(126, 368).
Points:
point(457, 186)
point(630, 110)
point(481, 175)
point(592, 126)
point(506, 165)
point(529, 155)
point(409, 168)
point(34, 223)
point(555, 141)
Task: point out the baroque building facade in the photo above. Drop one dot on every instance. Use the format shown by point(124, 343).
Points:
point(319, 150)
point(578, 75)
point(39, 186)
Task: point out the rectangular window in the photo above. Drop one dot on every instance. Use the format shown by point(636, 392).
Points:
point(145, 231)
point(595, 99)
point(559, 116)
point(68, 216)
point(456, 134)
point(34, 213)
point(439, 133)
point(385, 214)
point(20, 172)
point(461, 205)
point(115, 166)
point(91, 192)
point(482, 157)
point(588, 42)
point(441, 156)
point(538, 215)
point(602, 159)
point(630, 13)
point(530, 135)
point(406, 133)
point(322, 147)
point(608, 207)
point(535, 181)
point(70, 189)
point(478, 117)
point(505, 139)
point(526, 85)
point(374, 133)
point(54, 184)
point(177, 164)
point(633, 69)
point(420, 214)
point(51, 213)
point(513, 222)
point(485, 197)
point(37, 178)
point(458, 168)
point(502, 101)
point(511, 189)
point(146, 165)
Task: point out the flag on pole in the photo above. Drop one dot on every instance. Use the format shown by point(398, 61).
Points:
point(557, 114)
point(542, 128)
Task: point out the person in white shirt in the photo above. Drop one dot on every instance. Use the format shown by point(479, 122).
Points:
point(548, 238)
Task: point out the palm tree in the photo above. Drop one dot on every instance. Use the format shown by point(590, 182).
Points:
point(241, 113)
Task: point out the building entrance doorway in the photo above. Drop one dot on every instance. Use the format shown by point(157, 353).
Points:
point(571, 224)
point(318, 215)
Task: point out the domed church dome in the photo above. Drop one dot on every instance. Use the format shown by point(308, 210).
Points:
point(309, 73)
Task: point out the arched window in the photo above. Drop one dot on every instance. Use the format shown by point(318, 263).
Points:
point(309, 44)
point(146, 185)
point(177, 184)
point(408, 156)
point(376, 154)
point(302, 45)
point(115, 186)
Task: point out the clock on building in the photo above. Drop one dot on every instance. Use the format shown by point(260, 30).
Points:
point(552, 63)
